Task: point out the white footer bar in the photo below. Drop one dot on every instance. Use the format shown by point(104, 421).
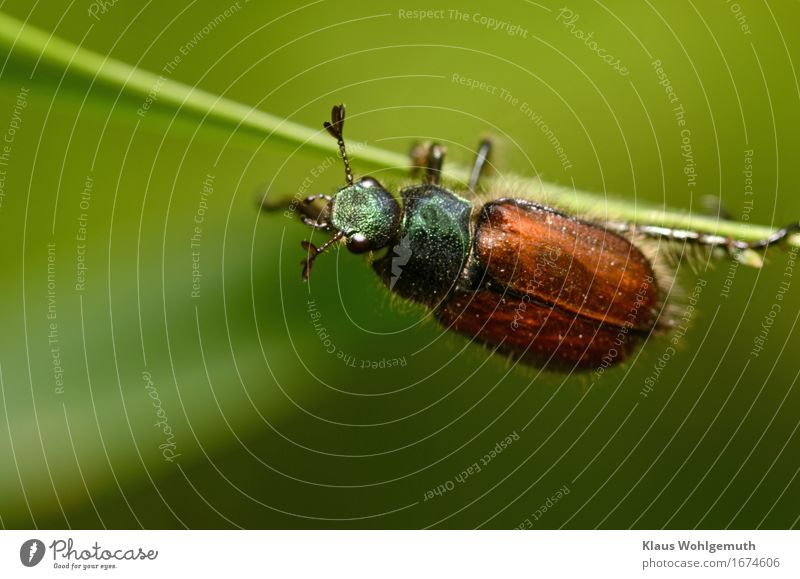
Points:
point(400, 554)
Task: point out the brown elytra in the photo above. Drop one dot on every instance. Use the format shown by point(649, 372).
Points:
point(553, 290)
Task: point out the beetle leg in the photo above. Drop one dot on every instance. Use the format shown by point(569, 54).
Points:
point(428, 157)
point(419, 157)
point(708, 238)
point(433, 164)
point(776, 237)
point(313, 223)
point(484, 150)
point(309, 214)
point(312, 198)
point(268, 204)
point(307, 210)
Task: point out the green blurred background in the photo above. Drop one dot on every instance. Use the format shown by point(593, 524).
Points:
point(268, 429)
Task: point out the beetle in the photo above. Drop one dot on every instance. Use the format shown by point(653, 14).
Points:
point(546, 288)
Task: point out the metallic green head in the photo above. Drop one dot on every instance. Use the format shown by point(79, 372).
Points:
point(362, 212)
point(366, 214)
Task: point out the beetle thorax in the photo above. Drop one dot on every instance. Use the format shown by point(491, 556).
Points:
point(431, 247)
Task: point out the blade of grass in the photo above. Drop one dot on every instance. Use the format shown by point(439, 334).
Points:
point(25, 41)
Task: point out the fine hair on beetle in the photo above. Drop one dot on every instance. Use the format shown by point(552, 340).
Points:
point(506, 265)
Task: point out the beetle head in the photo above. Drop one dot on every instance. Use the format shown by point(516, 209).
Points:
point(363, 212)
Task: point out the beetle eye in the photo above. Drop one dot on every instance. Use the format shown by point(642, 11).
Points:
point(358, 243)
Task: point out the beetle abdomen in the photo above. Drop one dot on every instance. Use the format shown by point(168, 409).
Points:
point(432, 245)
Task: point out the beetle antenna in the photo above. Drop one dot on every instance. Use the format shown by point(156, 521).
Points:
point(314, 251)
point(334, 128)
